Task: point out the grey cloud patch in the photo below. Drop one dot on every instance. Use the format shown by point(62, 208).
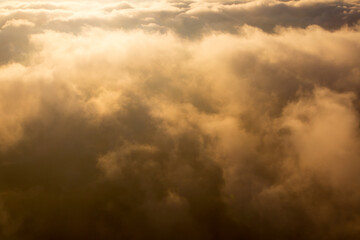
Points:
point(14, 43)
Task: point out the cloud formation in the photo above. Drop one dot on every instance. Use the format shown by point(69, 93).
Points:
point(179, 120)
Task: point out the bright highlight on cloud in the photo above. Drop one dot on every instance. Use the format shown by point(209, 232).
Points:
point(179, 120)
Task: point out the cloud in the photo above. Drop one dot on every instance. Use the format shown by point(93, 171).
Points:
point(188, 19)
point(196, 120)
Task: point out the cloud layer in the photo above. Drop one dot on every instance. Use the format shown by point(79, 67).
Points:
point(179, 120)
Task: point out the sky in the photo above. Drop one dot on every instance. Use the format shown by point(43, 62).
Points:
point(167, 119)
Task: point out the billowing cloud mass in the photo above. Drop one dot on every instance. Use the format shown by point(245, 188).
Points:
point(180, 119)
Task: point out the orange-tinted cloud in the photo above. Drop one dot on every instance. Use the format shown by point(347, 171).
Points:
point(186, 120)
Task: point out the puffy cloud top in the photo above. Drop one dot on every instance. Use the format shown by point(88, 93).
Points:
point(179, 119)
